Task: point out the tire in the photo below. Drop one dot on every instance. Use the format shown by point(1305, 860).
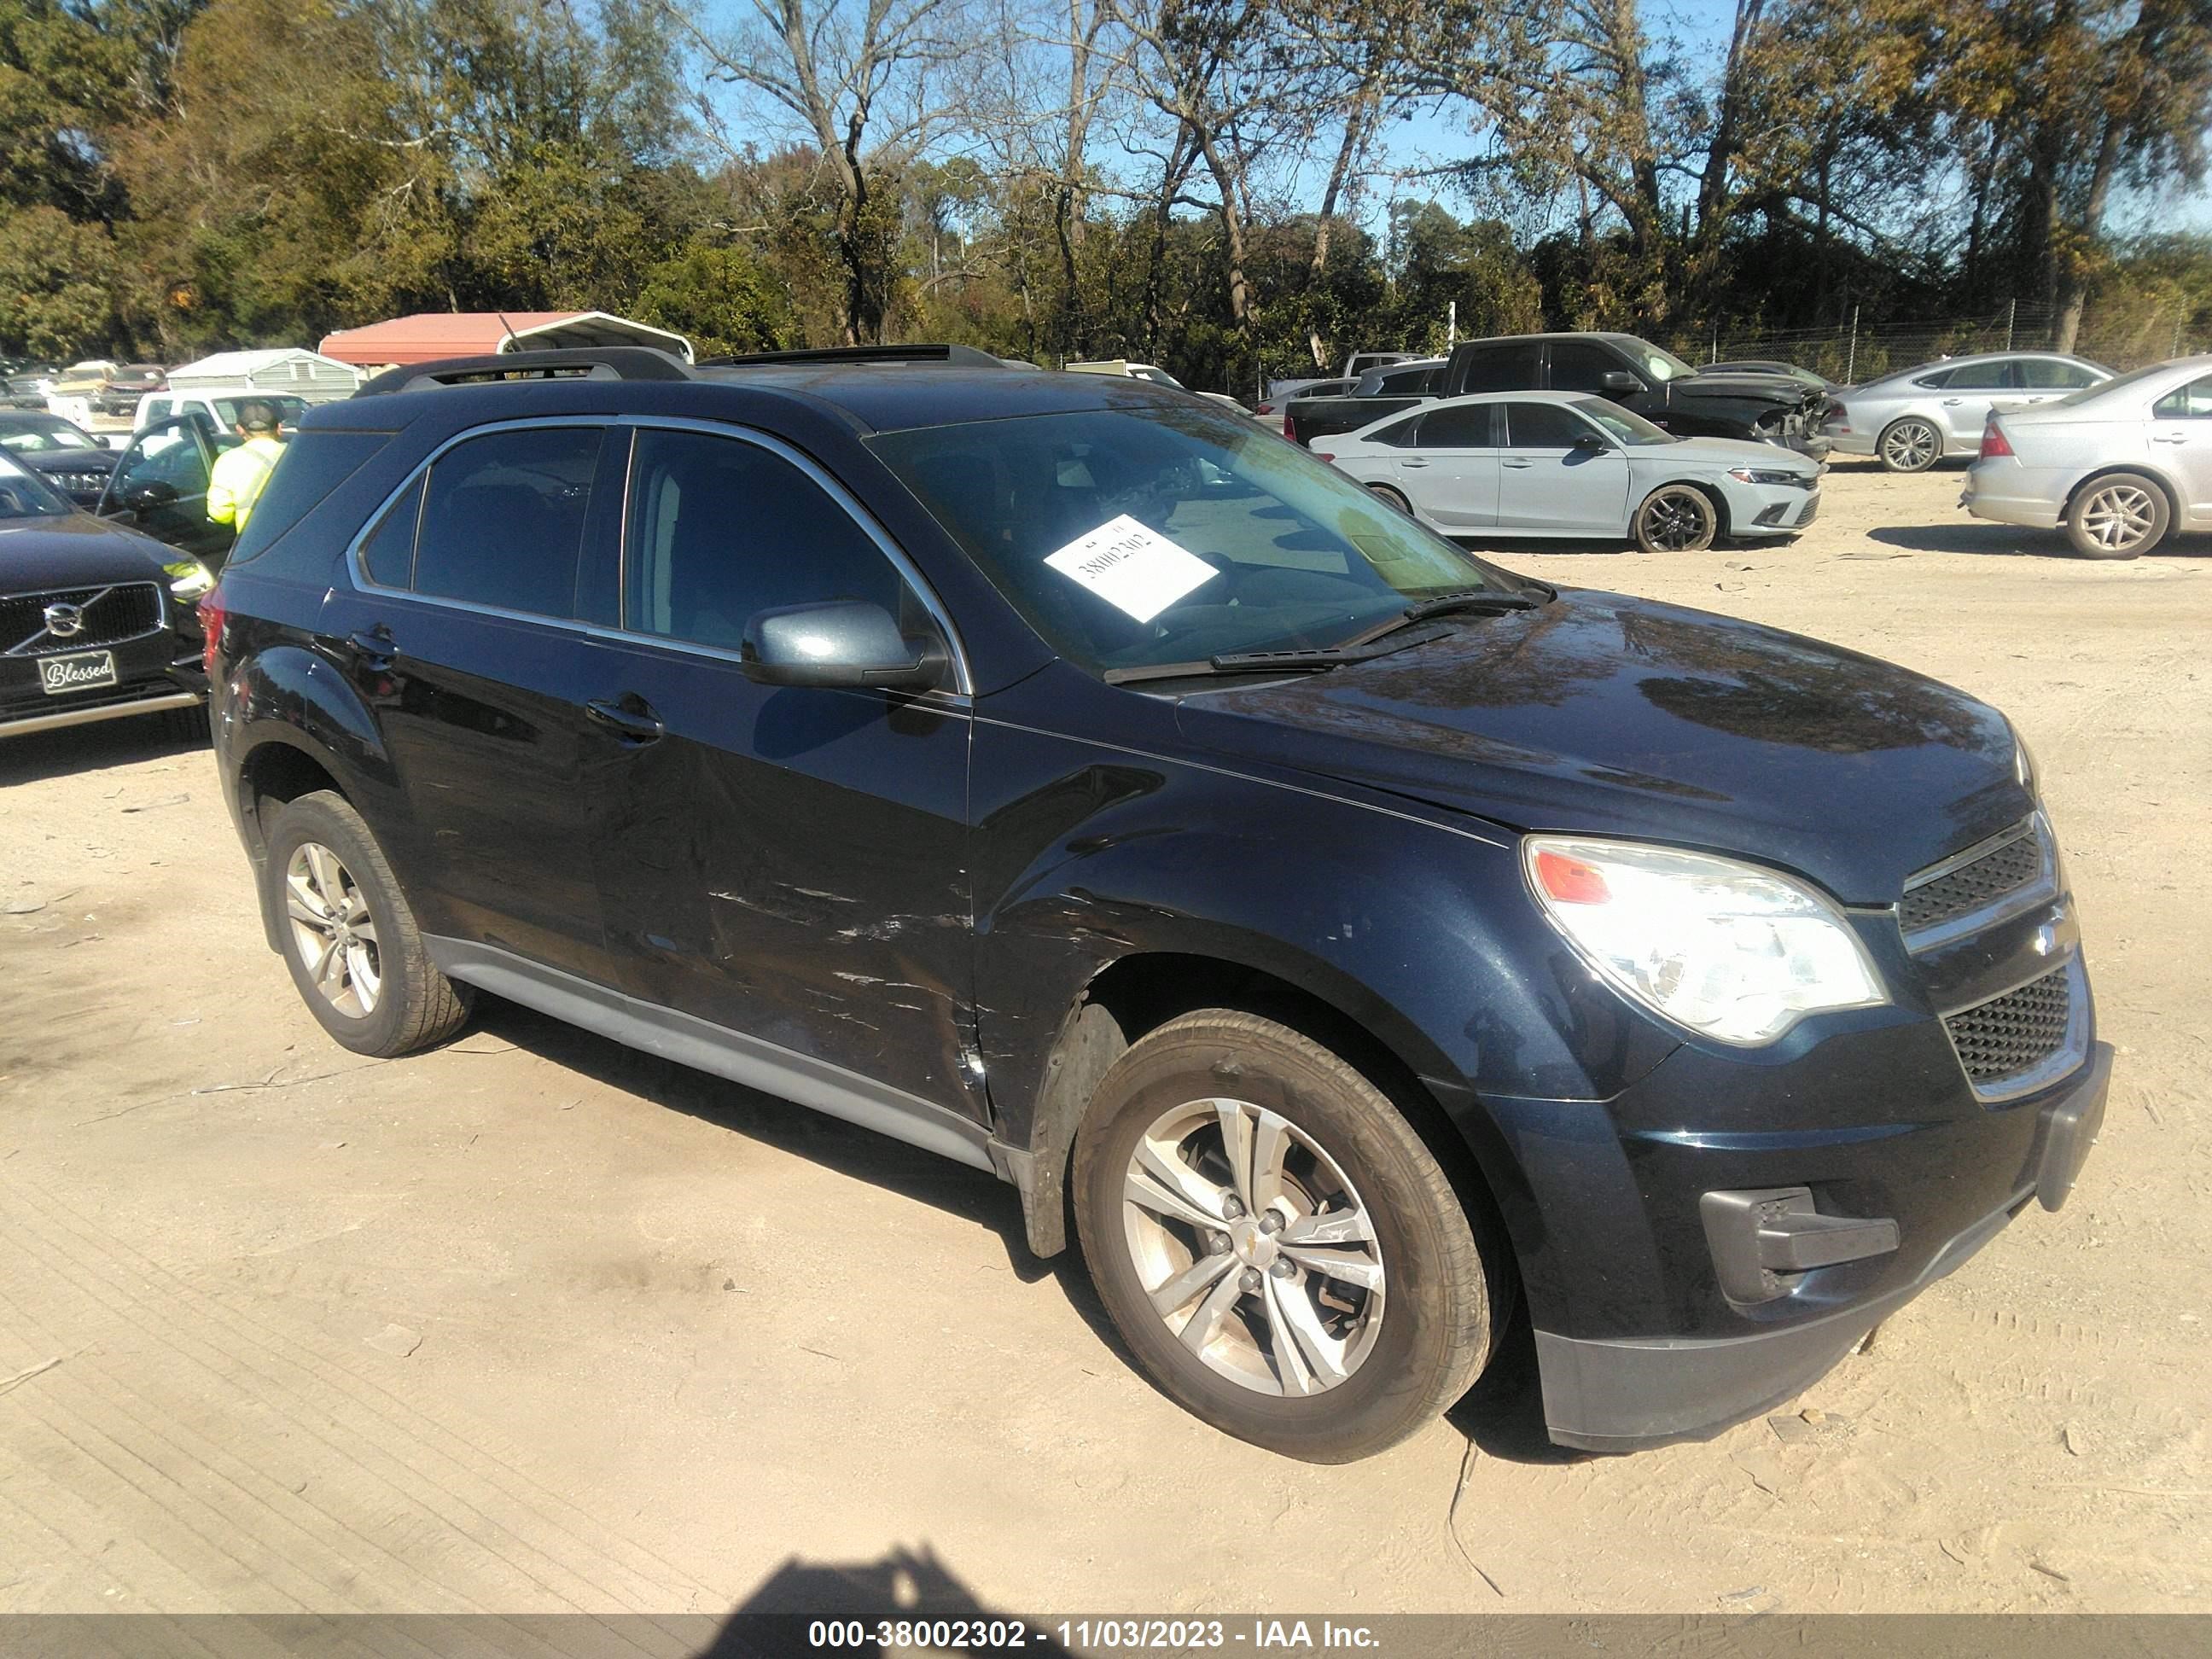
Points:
point(2122, 515)
point(1676, 517)
point(1386, 1347)
point(1908, 445)
point(385, 998)
point(1390, 497)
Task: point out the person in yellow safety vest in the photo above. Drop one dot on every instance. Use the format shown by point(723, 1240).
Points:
point(236, 482)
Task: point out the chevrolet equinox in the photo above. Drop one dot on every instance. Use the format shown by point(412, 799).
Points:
point(1359, 944)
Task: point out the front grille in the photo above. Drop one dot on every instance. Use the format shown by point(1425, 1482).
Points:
point(109, 614)
point(78, 484)
point(1971, 886)
point(2016, 1032)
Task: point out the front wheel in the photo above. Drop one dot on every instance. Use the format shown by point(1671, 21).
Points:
point(2120, 516)
point(1676, 519)
point(1389, 497)
point(1277, 1246)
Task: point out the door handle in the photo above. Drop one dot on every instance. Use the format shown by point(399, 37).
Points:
point(2169, 437)
point(1952, 403)
point(629, 717)
point(373, 648)
point(1518, 466)
point(1412, 463)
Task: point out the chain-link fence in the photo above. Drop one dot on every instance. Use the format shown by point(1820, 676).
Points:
point(1855, 352)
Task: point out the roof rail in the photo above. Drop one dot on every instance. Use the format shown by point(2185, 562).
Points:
point(950, 356)
point(585, 363)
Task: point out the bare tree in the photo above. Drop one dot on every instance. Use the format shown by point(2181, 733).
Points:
point(864, 81)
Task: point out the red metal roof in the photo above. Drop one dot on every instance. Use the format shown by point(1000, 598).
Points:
point(430, 335)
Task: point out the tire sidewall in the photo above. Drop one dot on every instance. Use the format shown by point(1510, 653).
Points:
point(1396, 500)
point(2077, 533)
point(1935, 445)
point(308, 819)
point(1642, 527)
point(1395, 1388)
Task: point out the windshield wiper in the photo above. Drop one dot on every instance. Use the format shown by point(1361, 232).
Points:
point(1470, 602)
point(1304, 661)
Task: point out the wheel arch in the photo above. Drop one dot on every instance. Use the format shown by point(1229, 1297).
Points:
point(2141, 470)
point(1137, 993)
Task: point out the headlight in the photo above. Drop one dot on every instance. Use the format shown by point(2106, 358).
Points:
point(2023, 763)
point(188, 579)
point(1770, 475)
point(1735, 952)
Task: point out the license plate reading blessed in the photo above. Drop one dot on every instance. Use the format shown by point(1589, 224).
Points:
point(1131, 568)
point(77, 671)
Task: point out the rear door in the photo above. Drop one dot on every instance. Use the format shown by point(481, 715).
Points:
point(1546, 483)
point(160, 486)
point(460, 631)
point(788, 862)
point(2180, 442)
point(1449, 471)
point(1965, 399)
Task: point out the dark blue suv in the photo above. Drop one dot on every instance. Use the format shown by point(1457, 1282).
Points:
point(1360, 942)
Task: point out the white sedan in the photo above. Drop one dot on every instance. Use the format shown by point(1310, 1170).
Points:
point(1565, 465)
point(2119, 464)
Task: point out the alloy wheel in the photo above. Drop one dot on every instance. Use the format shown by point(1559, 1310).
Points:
point(333, 930)
point(2118, 517)
point(1677, 519)
point(1909, 445)
point(1254, 1247)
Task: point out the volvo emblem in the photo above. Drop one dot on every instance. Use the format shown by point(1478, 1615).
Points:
point(64, 621)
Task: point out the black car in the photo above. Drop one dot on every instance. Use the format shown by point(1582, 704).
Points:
point(1690, 403)
point(61, 452)
point(1357, 940)
point(97, 622)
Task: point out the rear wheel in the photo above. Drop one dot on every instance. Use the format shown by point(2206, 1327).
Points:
point(1911, 445)
point(2122, 515)
point(1390, 497)
point(1676, 519)
point(1279, 1250)
point(349, 940)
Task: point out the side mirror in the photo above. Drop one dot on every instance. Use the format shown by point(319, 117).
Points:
point(145, 497)
point(846, 642)
point(1591, 444)
point(1617, 379)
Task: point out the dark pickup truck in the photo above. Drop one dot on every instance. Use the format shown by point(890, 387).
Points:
point(1379, 391)
point(1633, 372)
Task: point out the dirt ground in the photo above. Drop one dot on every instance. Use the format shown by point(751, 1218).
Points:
point(536, 1323)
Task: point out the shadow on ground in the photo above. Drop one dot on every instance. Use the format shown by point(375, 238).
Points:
point(110, 743)
point(904, 1587)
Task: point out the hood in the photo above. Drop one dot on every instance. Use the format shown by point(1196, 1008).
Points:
point(1729, 452)
point(78, 551)
point(1603, 714)
point(1780, 389)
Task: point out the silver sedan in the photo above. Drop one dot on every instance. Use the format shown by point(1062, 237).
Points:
point(2120, 464)
point(1508, 465)
point(1917, 416)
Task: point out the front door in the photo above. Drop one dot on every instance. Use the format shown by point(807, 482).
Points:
point(160, 486)
point(1450, 470)
point(786, 862)
point(461, 635)
point(1550, 482)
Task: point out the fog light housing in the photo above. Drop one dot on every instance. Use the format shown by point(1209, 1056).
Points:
point(1764, 1239)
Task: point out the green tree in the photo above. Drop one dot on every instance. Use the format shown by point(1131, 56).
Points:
point(721, 297)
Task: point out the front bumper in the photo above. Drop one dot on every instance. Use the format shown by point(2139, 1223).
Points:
point(1626, 1393)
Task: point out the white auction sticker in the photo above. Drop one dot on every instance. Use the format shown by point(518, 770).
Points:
point(1132, 569)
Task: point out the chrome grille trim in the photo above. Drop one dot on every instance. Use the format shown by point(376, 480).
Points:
point(1980, 1033)
point(115, 614)
point(1925, 894)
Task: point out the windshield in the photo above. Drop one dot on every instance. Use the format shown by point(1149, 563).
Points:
point(1130, 537)
point(1658, 364)
point(24, 495)
point(42, 433)
point(1623, 426)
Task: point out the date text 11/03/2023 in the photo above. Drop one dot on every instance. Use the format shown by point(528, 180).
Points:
point(1093, 1635)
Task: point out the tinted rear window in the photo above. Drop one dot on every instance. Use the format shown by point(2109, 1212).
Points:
point(313, 464)
point(503, 523)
